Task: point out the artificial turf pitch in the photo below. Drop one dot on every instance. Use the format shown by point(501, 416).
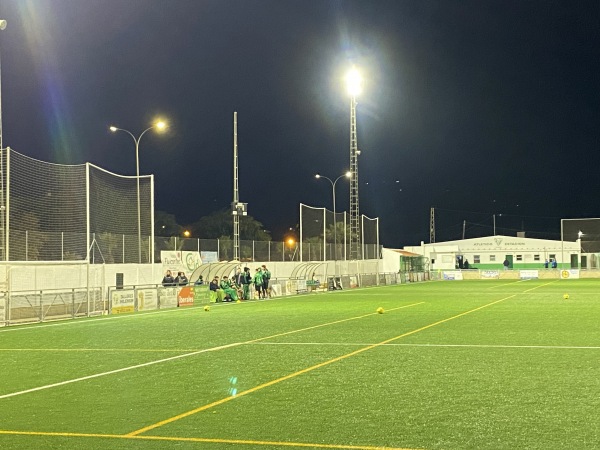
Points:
point(449, 365)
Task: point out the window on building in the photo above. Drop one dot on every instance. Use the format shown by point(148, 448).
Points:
point(536, 257)
point(519, 257)
point(492, 258)
point(552, 257)
point(476, 259)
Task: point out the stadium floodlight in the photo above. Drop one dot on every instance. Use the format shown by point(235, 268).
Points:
point(348, 174)
point(354, 82)
point(159, 125)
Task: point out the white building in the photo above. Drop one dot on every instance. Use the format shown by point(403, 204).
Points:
point(490, 253)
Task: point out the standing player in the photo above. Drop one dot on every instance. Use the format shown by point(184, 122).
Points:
point(266, 277)
point(258, 282)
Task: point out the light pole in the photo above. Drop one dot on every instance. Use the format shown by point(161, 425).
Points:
point(354, 87)
point(333, 183)
point(159, 126)
point(4, 236)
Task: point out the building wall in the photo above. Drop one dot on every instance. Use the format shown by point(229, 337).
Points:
point(489, 252)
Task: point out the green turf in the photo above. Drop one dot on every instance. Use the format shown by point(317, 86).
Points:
point(473, 364)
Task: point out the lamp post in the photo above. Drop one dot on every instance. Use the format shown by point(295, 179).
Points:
point(354, 88)
point(159, 126)
point(333, 183)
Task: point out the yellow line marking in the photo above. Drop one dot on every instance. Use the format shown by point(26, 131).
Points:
point(541, 285)
point(303, 371)
point(204, 440)
point(180, 356)
point(329, 323)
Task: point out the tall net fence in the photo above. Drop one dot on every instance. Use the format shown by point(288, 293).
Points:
point(370, 237)
point(587, 231)
point(113, 216)
point(55, 212)
point(325, 236)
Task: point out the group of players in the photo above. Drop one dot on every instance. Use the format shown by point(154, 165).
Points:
point(238, 287)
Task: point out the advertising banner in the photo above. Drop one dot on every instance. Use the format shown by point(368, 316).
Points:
point(167, 297)
point(180, 261)
point(122, 301)
point(490, 274)
point(452, 275)
point(201, 294)
point(147, 299)
point(209, 257)
point(2, 311)
point(529, 274)
point(570, 274)
point(185, 296)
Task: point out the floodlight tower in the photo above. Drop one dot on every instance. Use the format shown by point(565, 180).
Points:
point(354, 87)
point(237, 209)
point(3, 231)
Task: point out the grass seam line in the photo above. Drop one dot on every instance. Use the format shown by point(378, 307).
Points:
point(305, 370)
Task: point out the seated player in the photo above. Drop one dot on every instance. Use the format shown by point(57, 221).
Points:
point(229, 289)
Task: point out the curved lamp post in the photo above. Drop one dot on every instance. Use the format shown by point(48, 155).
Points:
point(333, 183)
point(159, 126)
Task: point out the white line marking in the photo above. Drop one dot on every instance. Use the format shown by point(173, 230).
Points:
point(123, 369)
point(185, 355)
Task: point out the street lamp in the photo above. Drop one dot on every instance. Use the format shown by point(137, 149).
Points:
point(333, 183)
point(160, 126)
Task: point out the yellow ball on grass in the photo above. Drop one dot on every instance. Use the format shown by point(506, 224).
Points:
point(566, 296)
point(207, 308)
point(380, 310)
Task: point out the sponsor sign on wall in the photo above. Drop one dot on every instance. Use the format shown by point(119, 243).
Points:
point(185, 296)
point(209, 257)
point(569, 274)
point(2, 311)
point(529, 274)
point(167, 297)
point(122, 301)
point(180, 261)
point(452, 275)
point(490, 274)
point(147, 299)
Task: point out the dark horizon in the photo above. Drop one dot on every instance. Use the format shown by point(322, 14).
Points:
point(477, 108)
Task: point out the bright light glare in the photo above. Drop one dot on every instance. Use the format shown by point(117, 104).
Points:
point(161, 125)
point(354, 82)
point(348, 174)
point(317, 176)
point(186, 233)
point(291, 242)
point(113, 129)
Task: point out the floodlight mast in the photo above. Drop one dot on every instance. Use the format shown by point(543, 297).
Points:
point(3, 212)
point(236, 196)
point(354, 86)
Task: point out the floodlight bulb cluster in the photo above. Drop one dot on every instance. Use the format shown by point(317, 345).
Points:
point(354, 82)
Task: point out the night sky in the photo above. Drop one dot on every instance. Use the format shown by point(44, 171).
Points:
point(473, 107)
